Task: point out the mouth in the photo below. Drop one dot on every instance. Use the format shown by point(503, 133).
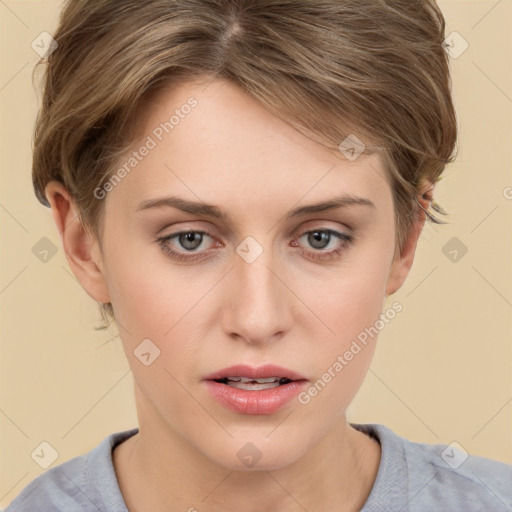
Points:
point(248, 390)
point(243, 376)
point(253, 384)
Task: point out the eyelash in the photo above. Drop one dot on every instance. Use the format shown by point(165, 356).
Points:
point(345, 241)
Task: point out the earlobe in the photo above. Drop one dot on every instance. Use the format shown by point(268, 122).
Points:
point(79, 245)
point(403, 260)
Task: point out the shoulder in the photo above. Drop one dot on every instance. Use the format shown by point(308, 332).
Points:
point(423, 477)
point(83, 483)
point(57, 488)
point(450, 475)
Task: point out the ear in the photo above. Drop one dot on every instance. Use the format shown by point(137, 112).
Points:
point(80, 246)
point(403, 260)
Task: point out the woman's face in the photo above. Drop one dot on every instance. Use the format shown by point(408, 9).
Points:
point(258, 280)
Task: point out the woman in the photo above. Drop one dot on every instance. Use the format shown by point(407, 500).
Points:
point(241, 185)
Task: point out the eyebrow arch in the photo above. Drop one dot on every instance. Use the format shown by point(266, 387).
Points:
point(209, 210)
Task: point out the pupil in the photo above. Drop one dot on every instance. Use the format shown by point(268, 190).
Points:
point(317, 239)
point(189, 240)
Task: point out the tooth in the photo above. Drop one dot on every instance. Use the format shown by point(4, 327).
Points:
point(253, 387)
point(261, 381)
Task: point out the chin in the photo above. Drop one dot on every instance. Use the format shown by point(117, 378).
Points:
point(255, 453)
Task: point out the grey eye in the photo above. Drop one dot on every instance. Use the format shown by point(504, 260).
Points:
point(191, 240)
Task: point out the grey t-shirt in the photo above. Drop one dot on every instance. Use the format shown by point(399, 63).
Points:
point(412, 477)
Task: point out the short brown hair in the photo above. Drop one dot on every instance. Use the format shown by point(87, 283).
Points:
point(374, 68)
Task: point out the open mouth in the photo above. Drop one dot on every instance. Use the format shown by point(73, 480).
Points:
point(249, 384)
point(262, 390)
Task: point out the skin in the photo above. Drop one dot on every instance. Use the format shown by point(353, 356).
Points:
point(286, 307)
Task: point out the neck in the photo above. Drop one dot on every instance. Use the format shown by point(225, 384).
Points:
point(159, 470)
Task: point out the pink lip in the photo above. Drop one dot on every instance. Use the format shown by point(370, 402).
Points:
point(265, 401)
point(262, 372)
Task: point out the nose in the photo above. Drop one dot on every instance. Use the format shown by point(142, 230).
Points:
point(258, 306)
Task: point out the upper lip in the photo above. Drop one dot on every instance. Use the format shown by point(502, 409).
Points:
point(251, 372)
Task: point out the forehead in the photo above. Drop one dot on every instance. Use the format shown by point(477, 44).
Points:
point(212, 141)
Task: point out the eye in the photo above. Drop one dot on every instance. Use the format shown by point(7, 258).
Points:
point(321, 239)
point(187, 242)
point(190, 245)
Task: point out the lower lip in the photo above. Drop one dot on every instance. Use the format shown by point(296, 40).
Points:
point(264, 401)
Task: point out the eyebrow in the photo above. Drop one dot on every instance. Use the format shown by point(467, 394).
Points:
point(210, 210)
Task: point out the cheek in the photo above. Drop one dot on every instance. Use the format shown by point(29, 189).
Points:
point(352, 297)
point(171, 306)
point(350, 303)
point(350, 306)
point(151, 300)
point(341, 361)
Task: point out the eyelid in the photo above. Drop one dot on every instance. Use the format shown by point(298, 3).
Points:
point(344, 241)
point(184, 231)
point(323, 225)
point(298, 232)
point(184, 227)
point(343, 238)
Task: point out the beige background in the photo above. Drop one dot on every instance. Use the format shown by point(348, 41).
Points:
point(442, 371)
